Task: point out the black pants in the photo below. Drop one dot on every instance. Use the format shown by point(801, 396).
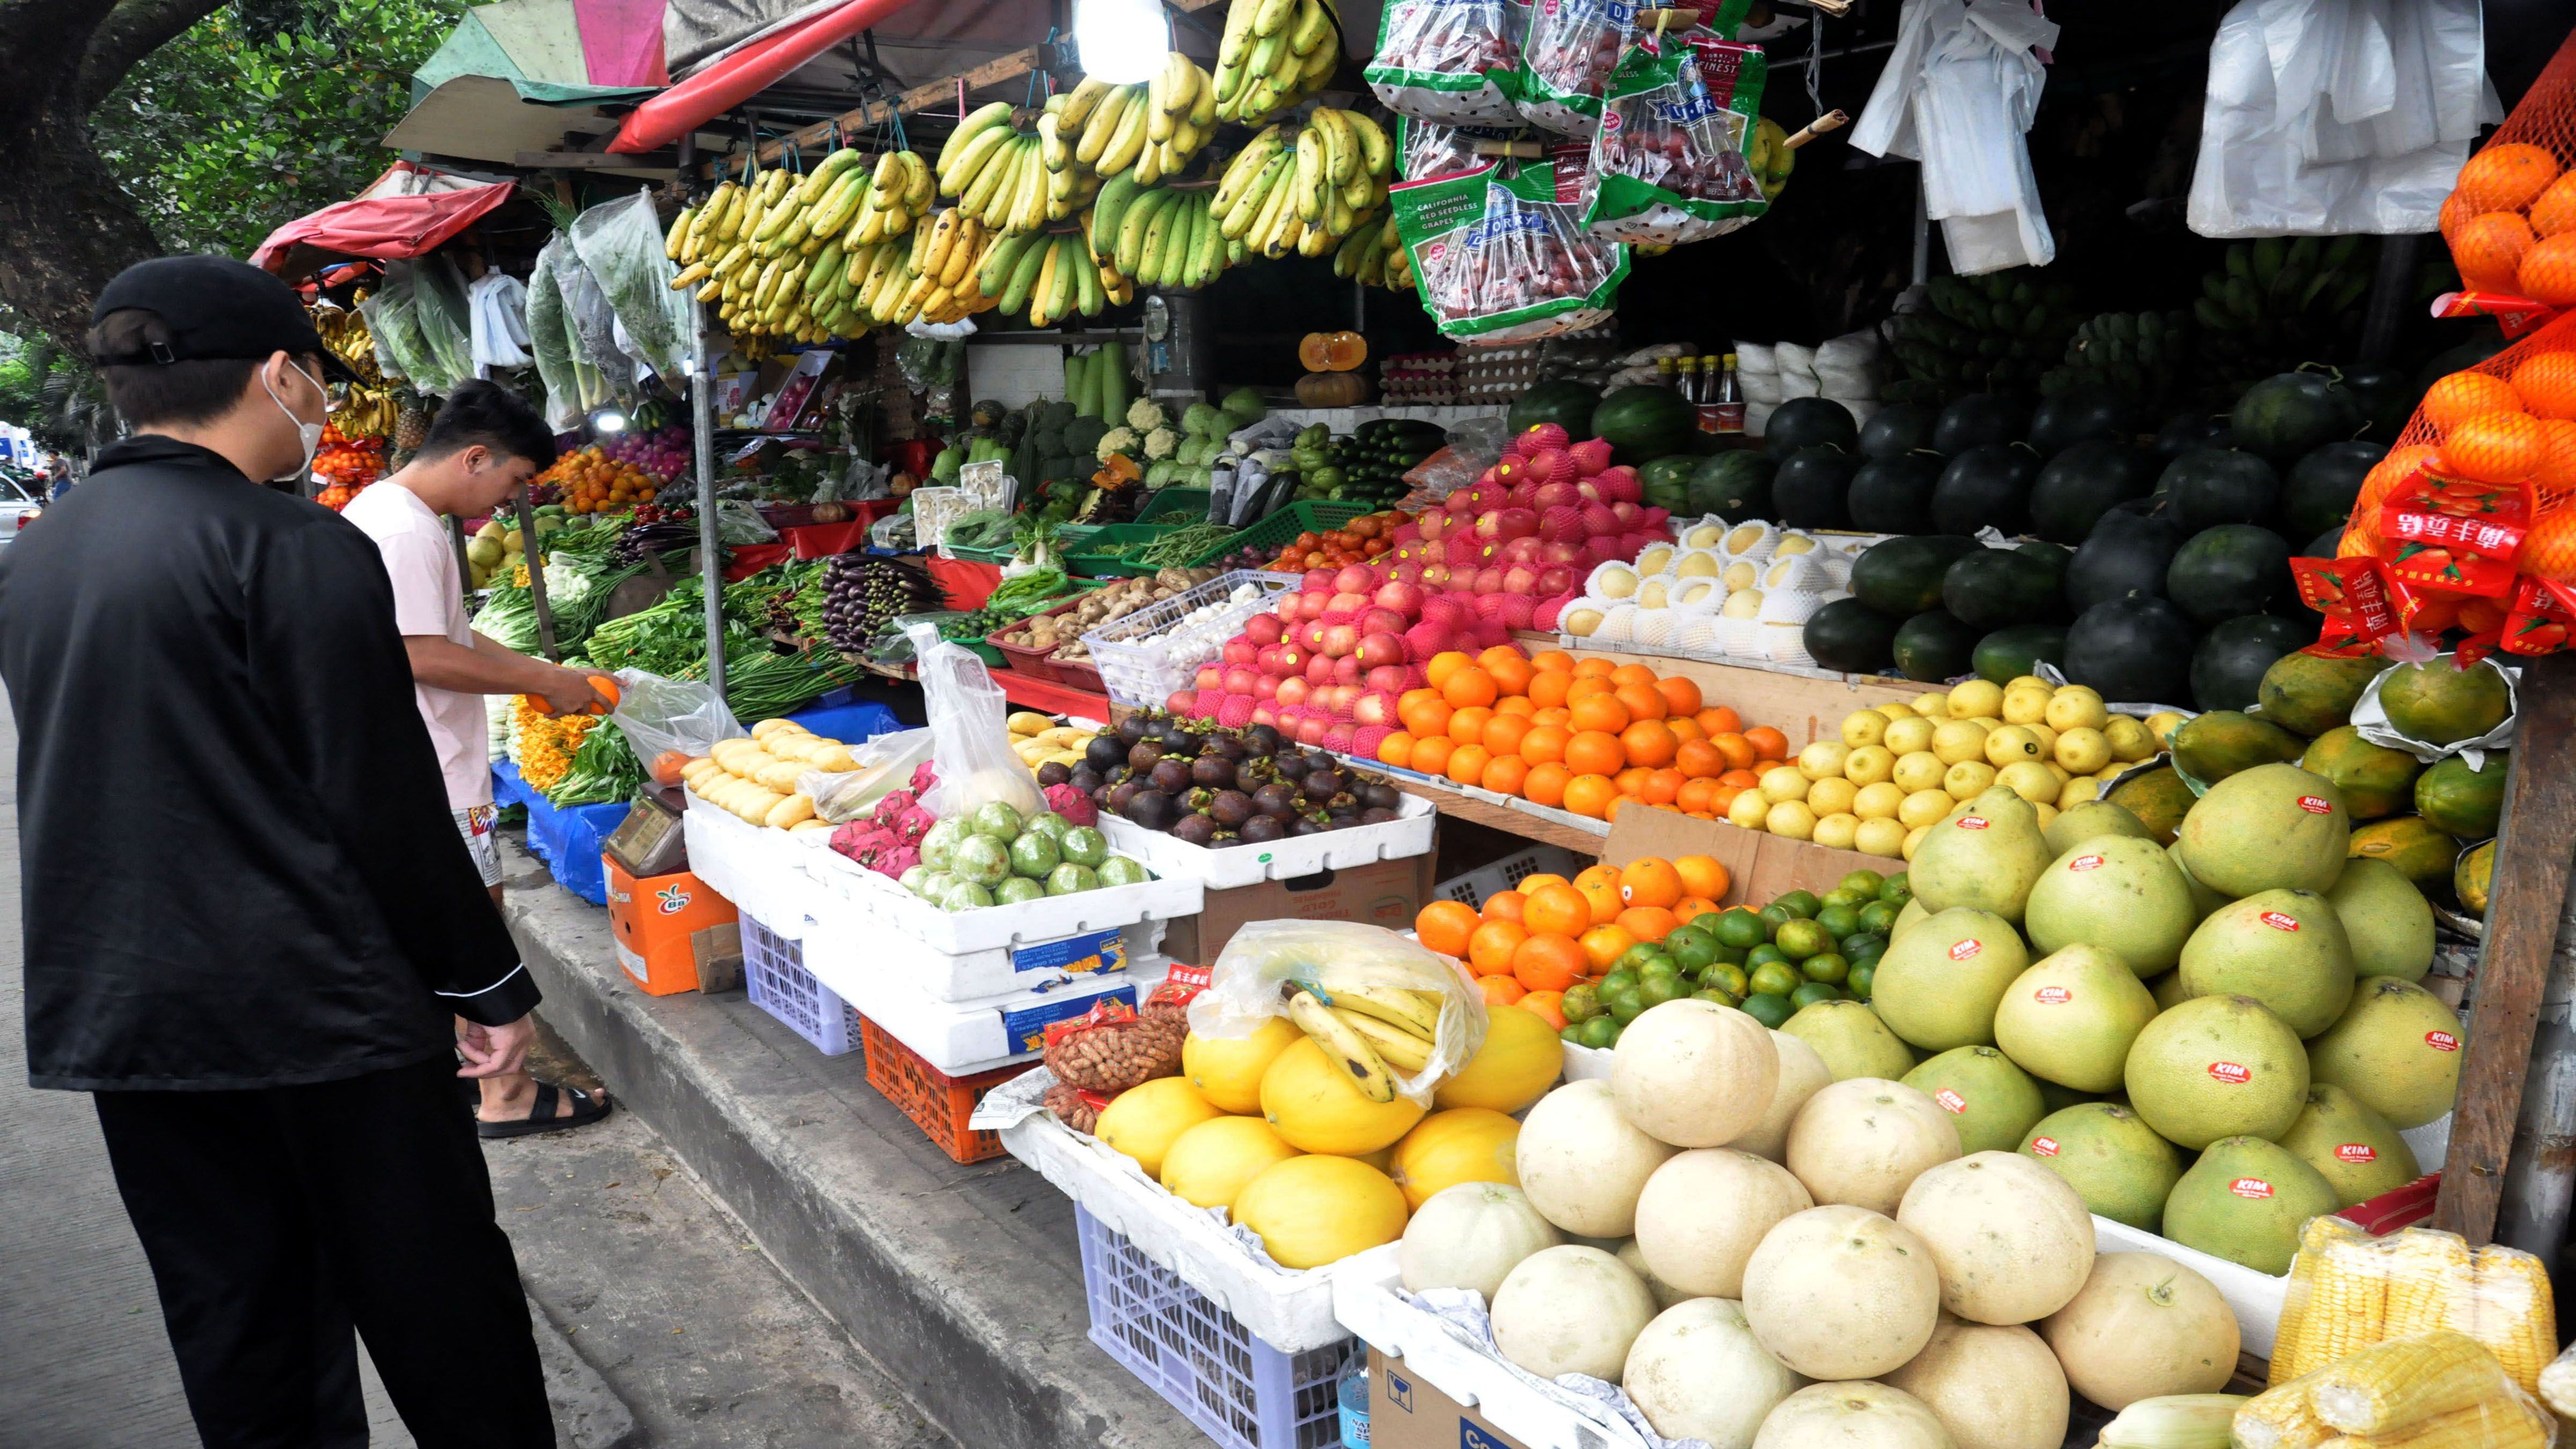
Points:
point(275, 1218)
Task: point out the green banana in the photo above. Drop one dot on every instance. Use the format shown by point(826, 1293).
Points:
point(1116, 194)
point(1024, 274)
point(1133, 230)
point(994, 273)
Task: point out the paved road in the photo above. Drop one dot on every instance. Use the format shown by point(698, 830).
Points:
point(655, 1285)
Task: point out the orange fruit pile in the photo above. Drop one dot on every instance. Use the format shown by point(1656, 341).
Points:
point(1584, 736)
point(2511, 224)
point(1527, 946)
point(593, 482)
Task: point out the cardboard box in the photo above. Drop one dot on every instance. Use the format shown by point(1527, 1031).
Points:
point(662, 922)
point(1408, 1413)
point(1389, 893)
point(1760, 866)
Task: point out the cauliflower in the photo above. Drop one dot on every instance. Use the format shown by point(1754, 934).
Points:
point(1145, 415)
point(1160, 443)
point(1115, 442)
point(1205, 421)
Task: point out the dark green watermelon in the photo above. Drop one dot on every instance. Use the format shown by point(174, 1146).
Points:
point(2210, 486)
point(1901, 577)
point(1565, 403)
point(1934, 646)
point(2231, 660)
point(2324, 545)
point(1810, 422)
point(2007, 654)
point(1852, 637)
point(2385, 397)
point(1813, 488)
point(2129, 551)
point(1643, 422)
point(2233, 569)
point(2185, 431)
point(2489, 341)
point(1980, 417)
point(2054, 557)
point(2322, 486)
point(2135, 650)
point(2081, 484)
point(1992, 587)
point(2082, 413)
point(1987, 486)
point(1894, 495)
point(1666, 482)
point(2291, 414)
point(1735, 485)
point(1898, 429)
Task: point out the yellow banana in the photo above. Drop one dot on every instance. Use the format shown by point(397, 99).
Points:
point(1402, 1050)
point(1412, 1011)
point(1343, 1043)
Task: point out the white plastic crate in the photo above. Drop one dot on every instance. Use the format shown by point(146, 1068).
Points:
point(1409, 834)
point(1145, 656)
point(773, 970)
point(884, 902)
point(965, 1037)
point(753, 866)
point(1476, 886)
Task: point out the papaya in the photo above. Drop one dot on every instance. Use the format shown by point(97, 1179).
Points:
point(2472, 877)
point(2210, 747)
point(2461, 801)
point(2439, 704)
point(2159, 799)
point(2309, 695)
point(2412, 844)
point(2375, 780)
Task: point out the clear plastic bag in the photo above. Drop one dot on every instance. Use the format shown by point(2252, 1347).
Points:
point(1570, 50)
point(2349, 1290)
point(2425, 1389)
point(550, 338)
point(1668, 162)
point(884, 764)
point(666, 718)
point(1111, 1048)
point(1448, 61)
point(1345, 961)
point(970, 744)
point(1425, 149)
point(621, 245)
point(446, 321)
point(602, 367)
point(499, 303)
point(1502, 258)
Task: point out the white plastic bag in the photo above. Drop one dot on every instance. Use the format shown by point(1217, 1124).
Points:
point(884, 764)
point(498, 303)
point(551, 338)
point(1246, 986)
point(970, 743)
point(1957, 94)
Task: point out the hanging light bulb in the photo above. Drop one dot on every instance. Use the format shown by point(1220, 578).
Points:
point(608, 420)
point(1120, 42)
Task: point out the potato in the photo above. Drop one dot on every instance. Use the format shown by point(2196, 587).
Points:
point(789, 811)
point(782, 776)
point(836, 758)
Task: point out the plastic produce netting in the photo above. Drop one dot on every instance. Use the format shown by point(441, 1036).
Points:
point(1325, 957)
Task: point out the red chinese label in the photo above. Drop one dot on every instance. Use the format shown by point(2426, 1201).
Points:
point(2230, 1073)
point(2250, 1187)
point(2538, 621)
point(2514, 315)
point(2279, 922)
point(2487, 537)
point(2316, 804)
point(2441, 1041)
point(2085, 862)
point(2450, 570)
point(2356, 1152)
point(1950, 1101)
point(2052, 996)
point(1972, 822)
point(2347, 588)
point(2043, 1146)
point(1966, 949)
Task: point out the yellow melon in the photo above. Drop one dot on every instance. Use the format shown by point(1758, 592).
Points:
point(1519, 1061)
point(1208, 1164)
point(1227, 1070)
point(1316, 1107)
point(1145, 1120)
point(1315, 1210)
point(1463, 1144)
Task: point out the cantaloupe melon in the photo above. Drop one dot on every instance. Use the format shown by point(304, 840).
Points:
point(1852, 1416)
point(1666, 1295)
point(1694, 1073)
point(1318, 1209)
point(1841, 1292)
point(1146, 1119)
point(1570, 1310)
point(1207, 1165)
point(1516, 1065)
point(1697, 1373)
point(2011, 1239)
point(1703, 1211)
point(1802, 1075)
point(1581, 1162)
point(2143, 1326)
point(1315, 1107)
point(1471, 1236)
point(1992, 1386)
point(1227, 1070)
point(1463, 1144)
point(1864, 1141)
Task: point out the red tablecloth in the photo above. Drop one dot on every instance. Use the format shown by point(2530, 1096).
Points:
point(1048, 697)
point(822, 540)
point(966, 583)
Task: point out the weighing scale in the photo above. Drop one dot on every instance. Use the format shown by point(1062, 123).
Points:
point(649, 841)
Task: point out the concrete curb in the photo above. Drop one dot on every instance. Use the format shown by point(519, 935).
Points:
point(962, 1282)
point(588, 1413)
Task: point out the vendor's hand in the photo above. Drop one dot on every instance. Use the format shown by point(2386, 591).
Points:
point(571, 692)
point(495, 1051)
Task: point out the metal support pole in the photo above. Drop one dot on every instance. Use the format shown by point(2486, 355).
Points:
point(2399, 258)
point(464, 565)
point(1922, 230)
point(536, 577)
point(702, 423)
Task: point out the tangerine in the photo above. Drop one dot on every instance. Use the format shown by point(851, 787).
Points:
point(1699, 759)
point(1718, 720)
point(1561, 717)
point(2455, 214)
point(1642, 701)
point(1549, 963)
point(2463, 395)
point(1490, 947)
point(1695, 794)
point(2388, 472)
point(1632, 780)
point(1585, 686)
point(1685, 729)
point(2496, 447)
point(2555, 211)
point(1431, 754)
point(2549, 549)
point(1767, 743)
point(2489, 248)
point(2548, 272)
point(1515, 704)
point(1648, 923)
point(1691, 908)
point(1681, 696)
point(1467, 726)
point(1425, 717)
point(1396, 749)
point(1627, 674)
point(1664, 787)
point(1442, 665)
point(1512, 674)
point(1556, 909)
point(1734, 749)
point(1545, 784)
point(2508, 177)
point(1470, 686)
point(1594, 752)
point(1553, 661)
point(2555, 478)
point(1543, 744)
point(1547, 687)
point(1593, 667)
point(2547, 384)
point(1504, 906)
point(1466, 764)
point(2481, 615)
point(1740, 779)
point(1650, 880)
point(1604, 944)
point(1590, 795)
point(1505, 774)
point(1501, 990)
point(1503, 734)
point(1485, 658)
point(1724, 796)
point(1601, 712)
point(1648, 743)
point(1547, 1006)
point(1444, 926)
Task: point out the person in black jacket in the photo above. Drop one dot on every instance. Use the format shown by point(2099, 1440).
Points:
point(249, 920)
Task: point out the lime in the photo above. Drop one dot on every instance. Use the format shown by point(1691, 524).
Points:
point(1730, 979)
point(1858, 982)
point(1618, 981)
point(1827, 967)
point(1768, 1009)
point(1897, 891)
point(1711, 993)
point(1763, 955)
point(1661, 963)
point(1802, 904)
point(1774, 978)
point(1660, 989)
point(1636, 957)
point(1841, 898)
point(1878, 916)
point(1625, 1006)
point(1864, 884)
point(1776, 915)
point(1813, 992)
point(1600, 1032)
point(1571, 1033)
point(1741, 929)
point(1839, 921)
point(1802, 939)
point(1582, 1002)
point(1692, 947)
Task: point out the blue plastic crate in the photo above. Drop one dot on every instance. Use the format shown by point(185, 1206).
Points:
point(773, 969)
point(1238, 1390)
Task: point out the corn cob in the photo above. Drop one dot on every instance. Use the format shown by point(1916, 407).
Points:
point(2176, 1421)
point(2405, 1381)
point(2516, 1317)
point(2431, 1283)
point(2504, 1422)
point(2344, 1304)
point(2280, 1418)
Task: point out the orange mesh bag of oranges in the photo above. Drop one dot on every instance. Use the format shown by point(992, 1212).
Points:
point(2511, 219)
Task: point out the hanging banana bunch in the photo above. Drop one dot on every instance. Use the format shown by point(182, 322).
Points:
point(1374, 256)
point(1001, 176)
point(1162, 236)
point(1274, 54)
point(1305, 189)
point(897, 195)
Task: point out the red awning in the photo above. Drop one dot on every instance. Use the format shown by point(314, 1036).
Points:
point(385, 226)
point(744, 74)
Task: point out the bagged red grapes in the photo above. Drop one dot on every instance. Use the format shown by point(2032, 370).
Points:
point(1668, 162)
point(1571, 48)
point(1424, 149)
point(1502, 257)
point(1448, 60)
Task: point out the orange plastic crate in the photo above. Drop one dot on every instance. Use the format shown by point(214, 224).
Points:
point(936, 1102)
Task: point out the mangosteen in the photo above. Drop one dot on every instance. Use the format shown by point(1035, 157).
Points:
point(1105, 752)
point(1151, 809)
point(1212, 770)
point(1122, 794)
point(1230, 808)
point(1379, 795)
point(1053, 772)
point(1170, 776)
point(1322, 784)
point(1196, 829)
point(1376, 815)
point(1318, 760)
point(1303, 826)
point(1261, 829)
point(1262, 739)
point(1224, 838)
point(1132, 729)
point(1226, 747)
point(1197, 801)
point(1143, 754)
point(1086, 779)
point(1276, 800)
point(1176, 740)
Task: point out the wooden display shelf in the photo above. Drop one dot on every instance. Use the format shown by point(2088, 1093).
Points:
point(1806, 708)
point(1467, 807)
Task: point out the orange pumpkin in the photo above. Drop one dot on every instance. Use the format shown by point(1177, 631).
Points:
point(1332, 390)
point(1332, 351)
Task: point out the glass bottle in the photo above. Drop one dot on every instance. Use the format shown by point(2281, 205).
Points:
point(1724, 413)
point(1686, 371)
point(1354, 1395)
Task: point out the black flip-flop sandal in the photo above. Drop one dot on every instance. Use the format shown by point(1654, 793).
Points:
point(542, 1116)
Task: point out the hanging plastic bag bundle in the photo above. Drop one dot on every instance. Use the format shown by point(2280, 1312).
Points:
point(1572, 48)
point(1502, 258)
point(1399, 1017)
point(1447, 60)
point(970, 741)
point(1668, 163)
point(1428, 149)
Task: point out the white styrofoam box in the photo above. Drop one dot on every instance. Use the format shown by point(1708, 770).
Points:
point(2255, 1297)
point(1290, 1311)
point(1365, 1303)
point(881, 900)
point(1409, 833)
point(834, 932)
point(965, 1037)
point(746, 864)
point(1587, 1064)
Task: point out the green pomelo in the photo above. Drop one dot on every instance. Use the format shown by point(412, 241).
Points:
point(2092, 818)
point(2267, 828)
point(2072, 1017)
point(1938, 985)
point(1914, 914)
point(2441, 704)
point(2375, 780)
point(2112, 1159)
point(2203, 899)
point(2244, 1201)
point(1851, 1039)
point(2397, 1048)
point(2352, 1147)
point(2217, 1066)
point(1984, 856)
point(2386, 918)
point(2169, 990)
point(1991, 1101)
point(2118, 892)
point(2286, 949)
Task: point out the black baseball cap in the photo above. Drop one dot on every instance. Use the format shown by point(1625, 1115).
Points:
point(215, 308)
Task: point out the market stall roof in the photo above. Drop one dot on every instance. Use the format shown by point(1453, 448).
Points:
point(407, 212)
point(516, 76)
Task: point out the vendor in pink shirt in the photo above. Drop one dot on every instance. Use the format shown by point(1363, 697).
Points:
point(482, 447)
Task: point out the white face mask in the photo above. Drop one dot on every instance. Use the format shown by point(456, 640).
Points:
point(310, 433)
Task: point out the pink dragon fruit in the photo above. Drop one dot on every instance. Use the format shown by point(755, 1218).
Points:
point(890, 809)
point(923, 777)
point(913, 824)
point(857, 836)
point(894, 862)
point(1072, 804)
